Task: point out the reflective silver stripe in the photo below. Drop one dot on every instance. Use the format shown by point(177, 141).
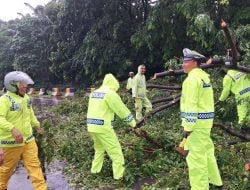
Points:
point(8, 142)
point(189, 120)
point(236, 77)
point(245, 91)
point(99, 95)
point(14, 142)
point(29, 138)
point(129, 118)
point(12, 102)
point(95, 121)
point(239, 75)
point(188, 114)
point(191, 116)
point(207, 115)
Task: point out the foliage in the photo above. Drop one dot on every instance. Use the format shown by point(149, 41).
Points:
point(143, 161)
point(79, 41)
point(6, 57)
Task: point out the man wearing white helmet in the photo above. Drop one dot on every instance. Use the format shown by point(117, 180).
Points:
point(16, 139)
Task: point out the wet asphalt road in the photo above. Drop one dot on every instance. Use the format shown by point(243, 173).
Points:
point(55, 179)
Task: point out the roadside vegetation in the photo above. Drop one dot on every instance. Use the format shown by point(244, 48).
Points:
point(146, 165)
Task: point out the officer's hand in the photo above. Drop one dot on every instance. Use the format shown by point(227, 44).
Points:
point(17, 135)
point(1, 156)
point(40, 130)
point(223, 24)
point(209, 61)
point(186, 133)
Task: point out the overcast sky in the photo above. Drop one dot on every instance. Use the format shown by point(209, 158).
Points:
point(9, 8)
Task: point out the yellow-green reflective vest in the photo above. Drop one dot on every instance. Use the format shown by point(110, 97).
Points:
point(104, 103)
point(197, 101)
point(236, 82)
point(16, 111)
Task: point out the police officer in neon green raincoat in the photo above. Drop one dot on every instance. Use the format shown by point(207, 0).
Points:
point(139, 93)
point(197, 112)
point(17, 141)
point(239, 84)
point(104, 103)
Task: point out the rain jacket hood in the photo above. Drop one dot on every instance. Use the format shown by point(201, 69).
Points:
point(111, 82)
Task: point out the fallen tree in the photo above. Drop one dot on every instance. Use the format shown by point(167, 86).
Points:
point(233, 130)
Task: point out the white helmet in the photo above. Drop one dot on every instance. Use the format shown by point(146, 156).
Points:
point(12, 79)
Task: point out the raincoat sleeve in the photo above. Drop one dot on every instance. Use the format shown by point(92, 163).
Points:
point(4, 108)
point(227, 82)
point(134, 87)
point(119, 108)
point(190, 107)
point(34, 122)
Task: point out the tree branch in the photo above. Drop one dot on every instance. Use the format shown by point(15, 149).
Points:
point(220, 63)
point(166, 99)
point(235, 54)
point(164, 87)
point(156, 110)
point(233, 131)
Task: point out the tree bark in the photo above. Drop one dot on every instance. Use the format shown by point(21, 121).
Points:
point(203, 66)
point(235, 54)
point(164, 87)
point(156, 110)
point(233, 131)
point(166, 99)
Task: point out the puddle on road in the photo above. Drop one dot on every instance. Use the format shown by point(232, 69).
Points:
point(55, 178)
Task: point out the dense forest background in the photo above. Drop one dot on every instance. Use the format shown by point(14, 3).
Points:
point(77, 41)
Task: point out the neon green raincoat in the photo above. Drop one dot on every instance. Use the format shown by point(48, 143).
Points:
point(197, 112)
point(104, 103)
point(139, 93)
point(239, 84)
point(16, 111)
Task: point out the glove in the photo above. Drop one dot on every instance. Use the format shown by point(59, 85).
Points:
point(182, 143)
point(180, 148)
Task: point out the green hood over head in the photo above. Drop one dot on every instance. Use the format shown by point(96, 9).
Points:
point(111, 82)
